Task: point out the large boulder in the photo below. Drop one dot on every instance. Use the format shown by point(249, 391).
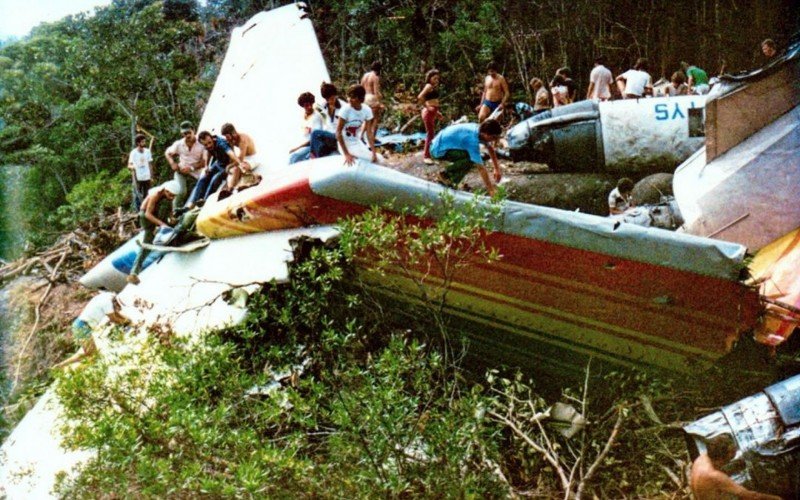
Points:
point(650, 189)
point(587, 193)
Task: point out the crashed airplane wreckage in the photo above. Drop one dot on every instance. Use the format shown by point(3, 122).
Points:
point(742, 185)
point(630, 136)
point(570, 286)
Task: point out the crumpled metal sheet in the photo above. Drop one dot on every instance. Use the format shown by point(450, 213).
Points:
point(749, 194)
point(186, 292)
point(767, 436)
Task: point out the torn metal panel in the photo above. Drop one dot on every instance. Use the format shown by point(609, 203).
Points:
point(775, 268)
point(187, 292)
point(749, 194)
point(740, 105)
point(370, 185)
point(765, 428)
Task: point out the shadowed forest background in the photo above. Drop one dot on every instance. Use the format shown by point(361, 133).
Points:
point(73, 93)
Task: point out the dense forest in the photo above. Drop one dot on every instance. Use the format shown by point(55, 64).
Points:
point(74, 92)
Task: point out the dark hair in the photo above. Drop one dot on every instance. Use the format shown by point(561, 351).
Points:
point(186, 124)
point(430, 74)
point(641, 64)
point(227, 129)
point(492, 66)
point(139, 138)
point(678, 76)
point(557, 80)
point(769, 42)
point(328, 90)
point(721, 448)
point(357, 92)
point(565, 71)
point(205, 133)
point(601, 59)
point(376, 67)
point(684, 66)
point(305, 98)
point(625, 185)
point(490, 127)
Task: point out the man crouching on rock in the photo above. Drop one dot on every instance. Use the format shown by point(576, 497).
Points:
point(460, 145)
point(150, 221)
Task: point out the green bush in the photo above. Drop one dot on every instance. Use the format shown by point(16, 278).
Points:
point(94, 195)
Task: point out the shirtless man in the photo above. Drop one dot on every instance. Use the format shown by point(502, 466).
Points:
point(371, 81)
point(709, 483)
point(495, 93)
point(247, 148)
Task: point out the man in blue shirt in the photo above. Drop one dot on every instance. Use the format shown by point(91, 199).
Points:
point(460, 145)
point(220, 155)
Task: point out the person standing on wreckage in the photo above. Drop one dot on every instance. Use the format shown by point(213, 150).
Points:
point(354, 118)
point(495, 93)
point(148, 219)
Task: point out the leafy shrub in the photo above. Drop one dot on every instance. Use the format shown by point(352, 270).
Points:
point(93, 196)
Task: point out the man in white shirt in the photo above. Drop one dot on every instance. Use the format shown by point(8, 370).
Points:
point(191, 161)
point(354, 117)
point(600, 80)
point(636, 82)
point(140, 163)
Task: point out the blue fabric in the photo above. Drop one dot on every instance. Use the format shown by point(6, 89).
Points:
point(220, 151)
point(208, 183)
point(463, 136)
point(301, 154)
point(492, 105)
point(322, 143)
point(81, 330)
point(218, 175)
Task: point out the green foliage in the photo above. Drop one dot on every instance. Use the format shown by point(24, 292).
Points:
point(74, 92)
point(363, 410)
point(94, 195)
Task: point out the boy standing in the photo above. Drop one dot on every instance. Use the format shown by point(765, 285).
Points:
point(495, 92)
point(140, 163)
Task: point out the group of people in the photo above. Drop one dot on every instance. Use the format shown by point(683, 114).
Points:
point(348, 128)
point(211, 162)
